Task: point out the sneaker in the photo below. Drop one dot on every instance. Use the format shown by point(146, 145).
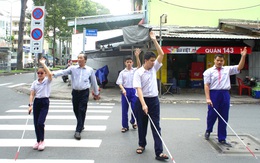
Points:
point(224, 143)
point(41, 146)
point(35, 147)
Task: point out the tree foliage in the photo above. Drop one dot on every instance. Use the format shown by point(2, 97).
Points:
point(56, 9)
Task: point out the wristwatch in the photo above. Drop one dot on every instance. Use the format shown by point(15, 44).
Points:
point(30, 105)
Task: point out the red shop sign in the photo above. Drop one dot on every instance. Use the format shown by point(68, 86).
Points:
point(203, 50)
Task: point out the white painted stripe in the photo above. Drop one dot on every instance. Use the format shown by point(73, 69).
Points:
point(53, 127)
point(62, 106)
point(59, 111)
point(89, 117)
point(101, 103)
point(45, 161)
point(11, 86)
point(54, 100)
point(91, 143)
point(5, 84)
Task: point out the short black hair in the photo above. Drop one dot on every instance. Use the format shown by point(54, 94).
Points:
point(219, 55)
point(149, 55)
point(128, 58)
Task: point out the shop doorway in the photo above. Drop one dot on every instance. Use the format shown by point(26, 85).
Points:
point(179, 68)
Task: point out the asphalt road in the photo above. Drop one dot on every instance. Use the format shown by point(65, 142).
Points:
point(183, 127)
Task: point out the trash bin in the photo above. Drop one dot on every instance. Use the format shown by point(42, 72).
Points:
point(256, 92)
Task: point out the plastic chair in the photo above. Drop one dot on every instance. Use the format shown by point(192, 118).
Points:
point(242, 86)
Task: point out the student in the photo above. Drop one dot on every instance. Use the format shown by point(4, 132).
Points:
point(125, 82)
point(39, 102)
point(216, 87)
point(148, 103)
point(82, 77)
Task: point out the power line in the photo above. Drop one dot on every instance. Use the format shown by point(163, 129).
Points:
point(201, 9)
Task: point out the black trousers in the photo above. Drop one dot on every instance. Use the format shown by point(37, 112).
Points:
point(40, 111)
point(80, 104)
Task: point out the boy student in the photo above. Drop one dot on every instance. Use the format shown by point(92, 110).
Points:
point(145, 83)
point(125, 82)
point(216, 87)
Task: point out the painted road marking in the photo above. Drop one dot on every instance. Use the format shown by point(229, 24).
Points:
point(62, 106)
point(45, 160)
point(11, 86)
point(54, 127)
point(59, 111)
point(182, 119)
point(89, 117)
point(5, 84)
point(91, 143)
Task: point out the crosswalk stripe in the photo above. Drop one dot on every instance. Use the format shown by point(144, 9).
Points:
point(62, 106)
point(11, 86)
point(59, 111)
point(91, 143)
point(5, 84)
point(45, 161)
point(89, 117)
point(53, 127)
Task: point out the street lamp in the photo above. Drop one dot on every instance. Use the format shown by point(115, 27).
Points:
point(163, 20)
point(75, 23)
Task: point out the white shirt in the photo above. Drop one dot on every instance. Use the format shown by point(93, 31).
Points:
point(43, 89)
point(219, 80)
point(146, 79)
point(126, 77)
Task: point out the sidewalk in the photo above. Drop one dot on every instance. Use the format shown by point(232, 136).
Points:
point(61, 90)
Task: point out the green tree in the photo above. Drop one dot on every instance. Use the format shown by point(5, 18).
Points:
point(56, 9)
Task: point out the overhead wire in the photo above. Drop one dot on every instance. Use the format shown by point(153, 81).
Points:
point(214, 10)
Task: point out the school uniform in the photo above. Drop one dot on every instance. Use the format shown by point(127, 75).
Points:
point(125, 78)
point(147, 81)
point(40, 106)
point(219, 84)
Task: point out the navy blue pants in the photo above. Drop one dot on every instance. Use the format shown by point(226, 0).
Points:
point(130, 94)
point(153, 105)
point(80, 104)
point(40, 111)
point(221, 102)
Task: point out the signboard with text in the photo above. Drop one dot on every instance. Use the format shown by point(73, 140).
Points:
point(204, 50)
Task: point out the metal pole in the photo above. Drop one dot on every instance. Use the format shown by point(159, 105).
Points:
point(75, 25)
point(84, 39)
point(160, 42)
point(35, 61)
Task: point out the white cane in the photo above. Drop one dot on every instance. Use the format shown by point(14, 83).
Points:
point(18, 150)
point(235, 133)
point(130, 108)
point(161, 139)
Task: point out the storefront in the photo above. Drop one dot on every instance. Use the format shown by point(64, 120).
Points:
point(186, 64)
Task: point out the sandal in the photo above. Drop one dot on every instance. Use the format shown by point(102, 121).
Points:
point(134, 126)
point(162, 157)
point(123, 130)
point(140, 150)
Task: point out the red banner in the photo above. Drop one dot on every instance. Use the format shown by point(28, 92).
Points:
point(204, 50)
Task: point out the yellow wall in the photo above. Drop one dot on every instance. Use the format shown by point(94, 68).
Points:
point(163, 70)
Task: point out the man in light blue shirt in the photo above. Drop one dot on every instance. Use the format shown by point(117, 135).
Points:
point(82, 77)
